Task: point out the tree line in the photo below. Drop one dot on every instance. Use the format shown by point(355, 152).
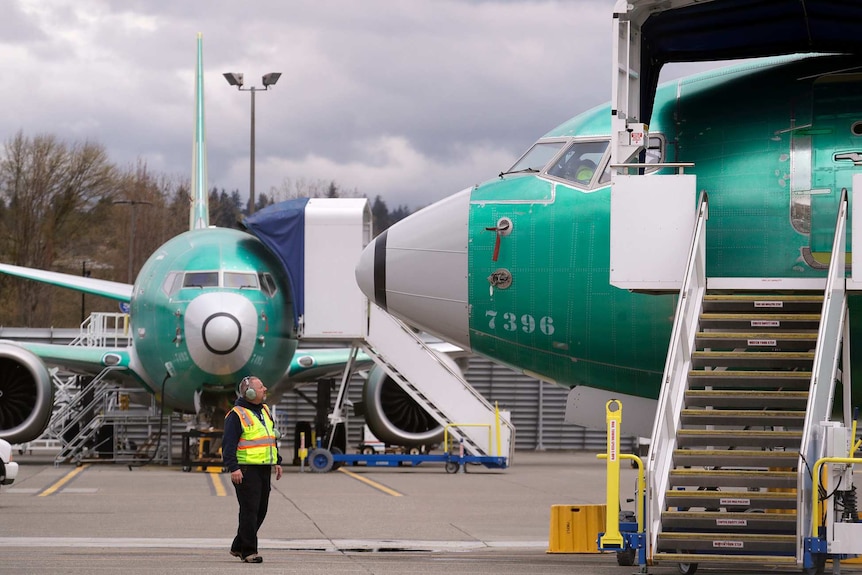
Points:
point(67, 207)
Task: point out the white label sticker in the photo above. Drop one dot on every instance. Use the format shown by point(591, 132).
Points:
point(734, 501)
point(728, 544)
point(765, 323)
point(762, 342)
point(732, 522)
point(769, 304)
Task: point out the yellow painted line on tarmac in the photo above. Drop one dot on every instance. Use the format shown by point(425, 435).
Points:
point(64, 480)
point(373, 484)
point(218, 484)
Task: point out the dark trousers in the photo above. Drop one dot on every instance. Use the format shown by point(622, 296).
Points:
point(253, 497)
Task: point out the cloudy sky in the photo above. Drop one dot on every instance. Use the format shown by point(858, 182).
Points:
point(409, 99)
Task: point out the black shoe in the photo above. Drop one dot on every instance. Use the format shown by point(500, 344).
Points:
point(253, 558)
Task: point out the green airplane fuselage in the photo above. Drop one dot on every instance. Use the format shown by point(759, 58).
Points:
point(763, 141)
point(210, 306)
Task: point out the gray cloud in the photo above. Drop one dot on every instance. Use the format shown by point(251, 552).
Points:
point(410, 100)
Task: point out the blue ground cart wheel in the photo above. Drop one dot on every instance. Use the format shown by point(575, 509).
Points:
point(320, 460)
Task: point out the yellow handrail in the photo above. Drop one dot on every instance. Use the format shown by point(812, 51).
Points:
point(815, 495)
point(641, 485)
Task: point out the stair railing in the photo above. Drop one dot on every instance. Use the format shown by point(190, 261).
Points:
point(675, 377)
point(823, 374)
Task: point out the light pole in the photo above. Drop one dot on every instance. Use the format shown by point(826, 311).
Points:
point(132, 203)
point(236, 79)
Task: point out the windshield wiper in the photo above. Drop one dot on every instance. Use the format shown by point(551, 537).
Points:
point(523, 171)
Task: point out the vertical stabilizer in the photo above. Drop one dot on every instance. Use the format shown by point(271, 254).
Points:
point(199, 217)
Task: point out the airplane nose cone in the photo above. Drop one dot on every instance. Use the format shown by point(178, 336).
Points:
point(220, 329)
point(417, 269)
point(221, 333)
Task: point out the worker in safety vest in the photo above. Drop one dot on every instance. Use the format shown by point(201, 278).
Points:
point(249, 452)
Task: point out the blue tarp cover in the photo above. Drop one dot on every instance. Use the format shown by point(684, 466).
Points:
point(281, 228)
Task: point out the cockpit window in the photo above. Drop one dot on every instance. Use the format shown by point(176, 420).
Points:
point(200, 279)
point(238, 280)
point(267, 284)
point(171, 283)
point(536, 157)
point(579, 162)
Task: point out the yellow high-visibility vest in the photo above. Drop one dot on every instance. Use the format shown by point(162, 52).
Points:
point(257, 444)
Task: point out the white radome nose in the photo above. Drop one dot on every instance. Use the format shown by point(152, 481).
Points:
point(220, 330)
point(417, 269)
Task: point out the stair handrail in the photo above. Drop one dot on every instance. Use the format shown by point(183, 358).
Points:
point(824, 371)
point(375, 354)
point(675, 376)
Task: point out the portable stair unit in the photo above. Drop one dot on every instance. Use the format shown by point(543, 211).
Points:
point(437, 388)
point(748, 383)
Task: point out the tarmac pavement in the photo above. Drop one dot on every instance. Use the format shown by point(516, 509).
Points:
point(106, 518)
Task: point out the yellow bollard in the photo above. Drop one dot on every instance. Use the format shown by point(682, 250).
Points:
point(612, 537)
point(303, 451)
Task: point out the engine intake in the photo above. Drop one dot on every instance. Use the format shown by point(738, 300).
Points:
point(26, 394)
point(394, 417)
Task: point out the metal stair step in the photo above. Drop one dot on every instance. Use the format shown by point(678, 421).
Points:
point(734, 458)
point(760, 321)
point(738, 438)
point(763, 301)
point(753, 359)
point(746, 398)
point(784, 523)
point(733, 500)
point(788, 341)
point(720, 478)
point(750, 379)
point(758, 418)
point(727, 543)
point(742, 559)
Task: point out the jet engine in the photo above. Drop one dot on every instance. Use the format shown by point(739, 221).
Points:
point(26, 394)
point(392, 415)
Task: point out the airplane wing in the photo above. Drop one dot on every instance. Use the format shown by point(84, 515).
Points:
point(85, 360)
point(104, 288)
point(308, 365)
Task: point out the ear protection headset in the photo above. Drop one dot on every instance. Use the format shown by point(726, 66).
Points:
point(246, 390)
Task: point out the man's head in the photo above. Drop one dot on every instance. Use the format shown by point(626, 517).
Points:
point(252, 389)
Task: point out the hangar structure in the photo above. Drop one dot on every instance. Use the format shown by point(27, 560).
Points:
point(708, 470)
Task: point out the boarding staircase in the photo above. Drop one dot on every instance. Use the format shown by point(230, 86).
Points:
point(441, 391)
point(749, 377)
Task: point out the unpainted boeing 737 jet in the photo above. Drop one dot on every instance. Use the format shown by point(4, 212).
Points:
point(517, 268)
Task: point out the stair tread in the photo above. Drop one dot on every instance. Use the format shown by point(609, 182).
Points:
point(751, 373)
point(702, 558)
point(788, 517)
point(754, 537)
point(734, 472)
point(748, 297)
point(719, 433)
point(703, 494)
point(757, 354)
point(758, 413)
point(786, 316)
point(748, 393)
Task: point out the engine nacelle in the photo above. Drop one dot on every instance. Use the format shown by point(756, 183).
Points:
point(392, 415)
point(26, 394)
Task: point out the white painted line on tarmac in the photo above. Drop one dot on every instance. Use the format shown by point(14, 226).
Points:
point(289, 544)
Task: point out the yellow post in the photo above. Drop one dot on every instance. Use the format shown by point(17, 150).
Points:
point(497, 420)
point(612, 536)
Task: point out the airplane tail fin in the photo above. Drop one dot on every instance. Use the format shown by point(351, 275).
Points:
point(199, 217)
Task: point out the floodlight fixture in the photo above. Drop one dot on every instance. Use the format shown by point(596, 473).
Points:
point(271, 78)
point(234, 79)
